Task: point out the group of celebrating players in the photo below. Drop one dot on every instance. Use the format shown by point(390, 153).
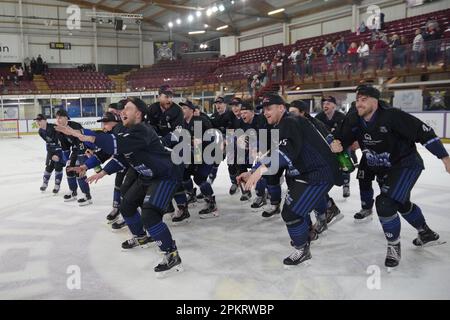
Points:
point(138, 144)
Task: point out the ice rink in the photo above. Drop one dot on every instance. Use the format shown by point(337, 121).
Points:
point(46, 245)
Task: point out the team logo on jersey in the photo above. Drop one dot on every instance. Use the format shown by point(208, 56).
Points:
point(367, 136)
point(383, 130)
point(283, 142)
point(426, 128)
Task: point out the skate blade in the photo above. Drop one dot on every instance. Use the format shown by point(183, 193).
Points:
point(84, 204)
point(70, 200)
point(214, 214)
point(364, 220)
point(144, 246)
point(337, 218)
point(164, 274)
point(118, 230)
point(257, 209)
point(302, 265)
point(180, 223)
point(391, 269)
point(271, 217)
point(432, 244)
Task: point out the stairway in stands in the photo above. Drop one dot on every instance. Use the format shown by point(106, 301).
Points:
point(41, 84)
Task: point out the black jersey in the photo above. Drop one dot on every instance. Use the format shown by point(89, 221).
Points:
point(304, 153)
point(72, 144)
point(333, 123)
point(50, 136)
point(165, 121)
point(222, 121)
point(388, 139)
point(140, 148)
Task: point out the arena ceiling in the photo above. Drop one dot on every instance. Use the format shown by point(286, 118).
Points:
point(238, 15)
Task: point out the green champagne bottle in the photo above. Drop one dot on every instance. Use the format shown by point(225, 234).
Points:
point(345, 162)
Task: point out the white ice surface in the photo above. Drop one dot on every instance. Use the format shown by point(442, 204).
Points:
point(236, 256)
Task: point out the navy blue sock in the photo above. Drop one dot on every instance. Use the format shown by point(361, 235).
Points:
point(414, 217)
point(46, 176)
point(275, 193)
point(180, 198)
point(58, 177)
point(72, 182)
point(366, 198)
point(261, 187)
point(299, 232)
point(135, 225)
point(206, 189)
point(391, 227)
point(116, 198)
point(188, 185)
point(321, 208)
point(84, 186)
point(233, 179)
point(213, 172)
point(160, 232)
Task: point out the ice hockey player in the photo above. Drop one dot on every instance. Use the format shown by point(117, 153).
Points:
point(387, 138)
point(311, 171)
point(54, 160)
point(234, 168)
point(333, 214)
point(157, 181)
point(165, 116)
point(332, 118)
point(197, 168)
point(73, 152)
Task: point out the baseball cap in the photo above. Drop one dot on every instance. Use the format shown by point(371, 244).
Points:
point(368, 90)
point(141, 105)
point(165, 89)
point(271, 99)
point(109, 117)
point(329, 99)
point(220, 100)
point(301, 105)
point(40, 116)
point(247, 105)
point(62, 113)
point(235, 101)
point(188, 104)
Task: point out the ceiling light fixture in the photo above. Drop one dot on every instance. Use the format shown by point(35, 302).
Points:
point(222, 27)
point(275, 11)
point(197, 32)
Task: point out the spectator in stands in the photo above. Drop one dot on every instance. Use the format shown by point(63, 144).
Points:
point(264, 68)
point(418, 47)
point(353, 56)
point(363, 52)
point(2, 84)
point(431, 38)
point(309, 58)
point(20, 73)
point(341, 50)
point(329, 52)
point(296, 58)
point(13, 70)
point(39, 63)
point(256, 85)
point(380, 49)
point(249, 84)
point(393, 45)
point(277, 63)
point(33, 65)
point(361, 29)
point(402, 52)
point(26, 63)
point(45, 67)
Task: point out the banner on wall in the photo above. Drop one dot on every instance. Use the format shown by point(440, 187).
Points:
point(408, 100)
point(9, 48)
point(164, 50)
